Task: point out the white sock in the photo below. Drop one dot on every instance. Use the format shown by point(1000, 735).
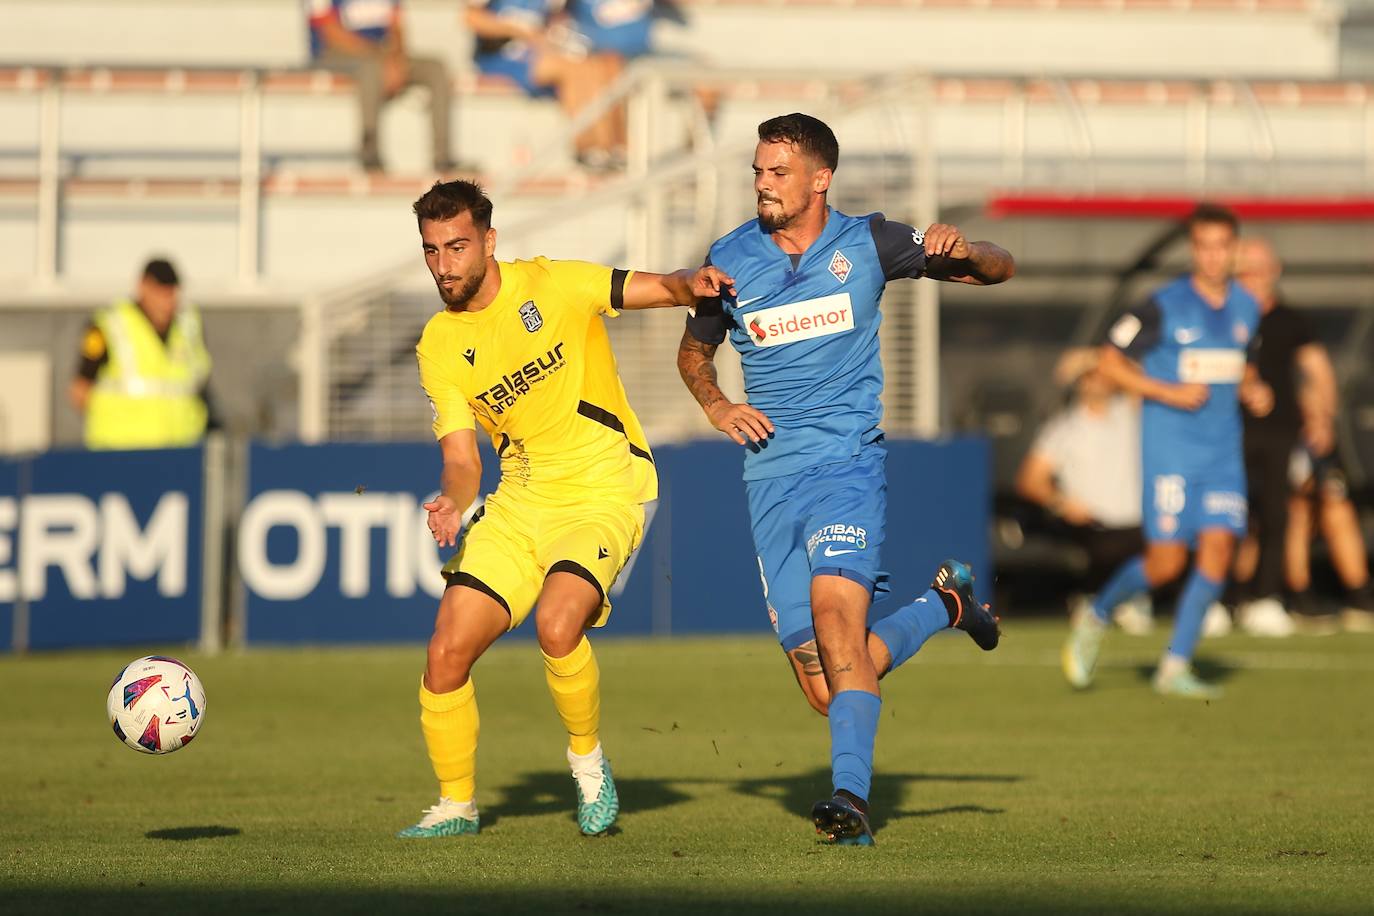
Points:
point(466, 810)
point(586, 769)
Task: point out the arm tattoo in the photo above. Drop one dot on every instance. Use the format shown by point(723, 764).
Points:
point(696, 364)
point(986, 264)
point(809, 659)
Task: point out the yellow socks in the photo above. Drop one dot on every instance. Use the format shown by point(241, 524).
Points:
point(574, 680)
point(449, 721)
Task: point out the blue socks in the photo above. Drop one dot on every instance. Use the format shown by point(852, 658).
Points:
point(1198, 594)
point(1127, 582)
point(907, 629)
point(853, 731)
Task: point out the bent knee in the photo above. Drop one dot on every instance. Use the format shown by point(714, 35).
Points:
point(560, 631)
point(448, 661)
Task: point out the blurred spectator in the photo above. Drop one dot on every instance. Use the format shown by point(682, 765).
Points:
point(1320, 490)
point(536, 45)
point(364, 39)
point(1284, 351)
point(142, 377)
point(1084, 468)
point(1293, 464)
point(619, 27)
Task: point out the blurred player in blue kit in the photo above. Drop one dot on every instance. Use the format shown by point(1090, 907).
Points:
point(1186, 351)
point(803, 314)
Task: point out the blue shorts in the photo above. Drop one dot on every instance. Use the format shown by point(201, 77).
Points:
point(515, 68)
point(1178, 506)
point(824, 521)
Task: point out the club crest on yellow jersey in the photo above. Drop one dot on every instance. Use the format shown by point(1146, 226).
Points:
point(529, 313)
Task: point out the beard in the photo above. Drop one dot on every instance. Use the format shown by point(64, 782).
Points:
point(773, 219)
point(459, 296)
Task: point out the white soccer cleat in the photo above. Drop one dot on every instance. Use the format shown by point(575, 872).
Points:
point(1174, 677)
point(1135, 616)
point(1265, 617)
point(1357, 620)
point(1216, 622)
point(1079, 655)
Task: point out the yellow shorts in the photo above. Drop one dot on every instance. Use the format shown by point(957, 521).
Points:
point(513, 544)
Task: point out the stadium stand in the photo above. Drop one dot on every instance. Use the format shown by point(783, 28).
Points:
point(237, 162)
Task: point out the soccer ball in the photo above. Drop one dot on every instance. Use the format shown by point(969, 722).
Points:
point(156, 705)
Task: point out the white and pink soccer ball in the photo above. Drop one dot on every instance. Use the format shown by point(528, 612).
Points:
point(156, 705)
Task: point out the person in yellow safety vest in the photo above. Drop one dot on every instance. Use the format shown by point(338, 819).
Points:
point(142, 377)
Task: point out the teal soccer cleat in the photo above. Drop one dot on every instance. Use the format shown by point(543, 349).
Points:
point(448, 818)
point(597, 801)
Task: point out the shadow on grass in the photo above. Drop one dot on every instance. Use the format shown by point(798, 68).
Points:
point(192, 833)
point(685, 898)
point(1210, 670)
point(797, 793)
point(555, 793)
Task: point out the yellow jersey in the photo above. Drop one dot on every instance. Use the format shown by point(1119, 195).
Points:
point(535, 369)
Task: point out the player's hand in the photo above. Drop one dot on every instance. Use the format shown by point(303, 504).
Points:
point(709, 281)
point(1074, 512)
point(1320, 435)
point(946, 241)
point(445, 520)
point(1188, 396)
point(740, 422)
point(1257, 397)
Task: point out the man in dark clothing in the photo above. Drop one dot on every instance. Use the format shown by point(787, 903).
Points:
point(1289, 358)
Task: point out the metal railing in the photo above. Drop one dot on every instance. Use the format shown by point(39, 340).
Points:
point(1049, 132)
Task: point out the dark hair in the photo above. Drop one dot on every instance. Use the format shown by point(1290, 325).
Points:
point(809, 135)
point(161, 271)
point(447, 199)
point(1213, 213)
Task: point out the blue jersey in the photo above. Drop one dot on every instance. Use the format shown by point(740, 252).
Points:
point(1177, 336)
point(806, 328)
point(532, 14)
point(621, 26)
point(370, 20)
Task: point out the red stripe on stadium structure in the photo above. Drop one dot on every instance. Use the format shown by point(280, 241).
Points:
point(1106, 206)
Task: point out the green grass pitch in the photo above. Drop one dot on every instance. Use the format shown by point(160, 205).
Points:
point(998, 789)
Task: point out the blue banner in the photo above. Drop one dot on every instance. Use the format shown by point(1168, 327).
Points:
point(333, 545)
point(105, 547)
point(9, 538)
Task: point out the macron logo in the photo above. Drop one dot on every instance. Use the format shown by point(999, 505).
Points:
point(784, 324)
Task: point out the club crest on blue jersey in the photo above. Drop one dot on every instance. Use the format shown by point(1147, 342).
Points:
point(840, 266)
point(529, 313)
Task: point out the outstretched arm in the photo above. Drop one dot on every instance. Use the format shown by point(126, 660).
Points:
point(1035, 481)
point(682, 287)
point(1131, 378)
point(951, 257)
point(696, 364)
